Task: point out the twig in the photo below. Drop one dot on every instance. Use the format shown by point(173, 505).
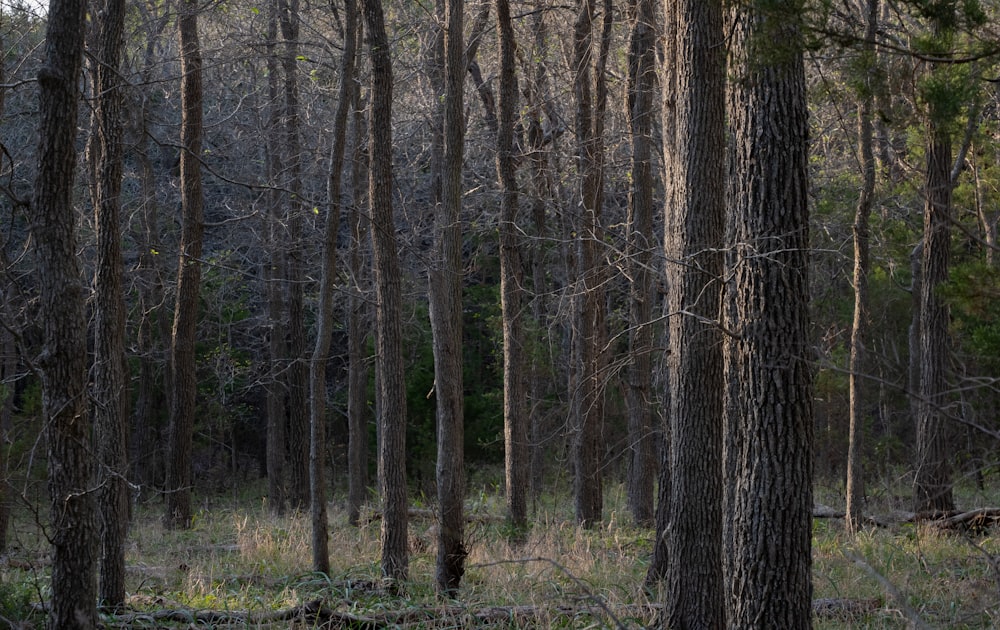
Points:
point(890, 589)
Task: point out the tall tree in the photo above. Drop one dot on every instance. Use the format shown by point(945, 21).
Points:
point(587, 408)
point(446, 315)
point(110, 379)
point(183, 380)
point(862, 267)
point(63, 361)
point(390, 389)
point(324, 328)
point(768, 346)
point(641, 86)
point(515, 411)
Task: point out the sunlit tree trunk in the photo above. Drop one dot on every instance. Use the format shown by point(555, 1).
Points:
point(73, 531)
point(768, 346)
point(110, 379)
point(862, 266)
point(390, 389)
point(182, 364)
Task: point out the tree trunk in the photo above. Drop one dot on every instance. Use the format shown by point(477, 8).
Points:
point(693, 246)
point(861, 323)
point(110, 378)
point(184, 381)
point(641, 82)
point(297, 374)
point(768, 348)
point(357, 395)
point(321, 353)
point(391, 388)
point(446, 316)
point(273, 272)
point(63, 361)
point(516, 443)
point(932, 485)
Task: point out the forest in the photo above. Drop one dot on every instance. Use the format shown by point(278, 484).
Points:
point(505, 313)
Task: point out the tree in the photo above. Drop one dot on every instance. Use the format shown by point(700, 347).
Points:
point(63, 361)
point(641, 82)
point(446, 315)
point(695, 213)
point(390, 389)
point(321, 353)
point(110, 378)
point(862, 267)
point(587, 407)
point(515, 413)
point(770, 382)
point(184, 383)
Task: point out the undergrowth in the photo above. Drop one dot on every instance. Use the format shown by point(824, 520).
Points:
point(239, 557)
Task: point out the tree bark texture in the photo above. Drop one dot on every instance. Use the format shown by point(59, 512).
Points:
point(516, 427)
point(391, 388)
point(932, 485)
point(321, 352)
point(693, 246)
point(641, 86)
point(110, 378)
point(768, 348)
point(183, 336)
point(446, 315)
point(63, 362)
point(862, 266)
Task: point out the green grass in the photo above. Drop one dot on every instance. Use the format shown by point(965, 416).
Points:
point(241, 558)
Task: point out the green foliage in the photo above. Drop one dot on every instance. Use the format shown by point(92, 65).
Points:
point(973, 294)
point(17, 596)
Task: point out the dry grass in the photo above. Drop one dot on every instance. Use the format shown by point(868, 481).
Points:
point(239, 558)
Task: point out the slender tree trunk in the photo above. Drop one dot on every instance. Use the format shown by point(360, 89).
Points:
point(516, 441)
point(860, 325)
point(768, 346)
point(63, 361)
point(357, 398)
point(182, 364)
point(390, 388)
point(321, 353)
point(446, 316)
point(110, 378)
point(641, 82)
point(297, 374)
point(273, 272)
point(932, 486)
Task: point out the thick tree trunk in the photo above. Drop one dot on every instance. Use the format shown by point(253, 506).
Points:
point(391, 388)
point(516, 441)
point(693, 246)
point(641, 82)
point(932, 485)
point(182, 364)
point(110, 378)
point(768, 348)
point(860, 325)
point(63, 361)
point(321, 353)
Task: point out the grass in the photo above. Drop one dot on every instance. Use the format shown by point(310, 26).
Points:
point(238, 557)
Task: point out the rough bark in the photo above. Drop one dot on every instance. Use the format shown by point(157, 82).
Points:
point(184, 384)
point(768, 350)
point(515, 410)
point(321, 352)
point(390, 388)
point(446, 316)
point(862, 266)
point(641, 85)
point(932, 484)
point(63, 360)
point(110, 378)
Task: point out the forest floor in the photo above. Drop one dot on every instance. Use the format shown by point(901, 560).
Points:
point(241, 567)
